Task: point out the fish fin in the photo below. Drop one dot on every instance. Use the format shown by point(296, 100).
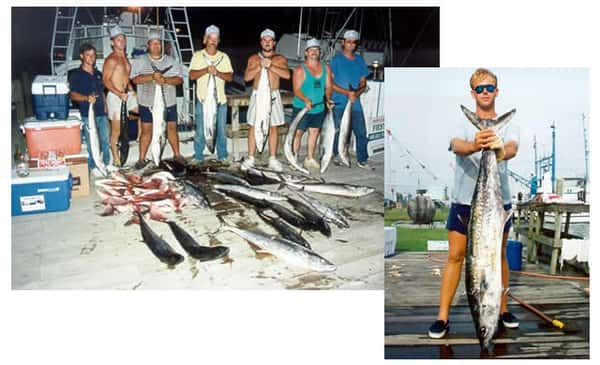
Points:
point(472, 117)
point(281, 186)
point(503, 120)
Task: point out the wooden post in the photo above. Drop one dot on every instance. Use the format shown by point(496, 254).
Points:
point(556, 244)
point(567, 223)
point(530, 231)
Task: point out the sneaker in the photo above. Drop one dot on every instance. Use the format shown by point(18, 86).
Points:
point(274, 164)
point(337, 161)
point(439, 329)
point(111, 168)
point(365, 165)
point(509, 320)
point(311, 163)
point(140, 164)
point(96, 173)
point(247, 163)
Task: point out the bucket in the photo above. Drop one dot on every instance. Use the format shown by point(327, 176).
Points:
point(514, 252)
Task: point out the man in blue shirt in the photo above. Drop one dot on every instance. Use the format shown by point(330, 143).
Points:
point(86, 87)
point(349, 82)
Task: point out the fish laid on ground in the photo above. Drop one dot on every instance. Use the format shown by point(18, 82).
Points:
point(94, 141)
point(189, 244)
point(326, 139)
point(312, 216)
point(159, 247)
point(225, 178)
point(346, 190)
point(209, 113)
point(262, 120)
point(289, 139)
point(293, 218)
point(196, 195)
point(124, 134)
point(252, 192)
point(271, 176)
point(330, 214)
point(158, 124)
point(285, 250)
point(284, 229)
point(483, 264)
point(345, 132)
point(176, 168)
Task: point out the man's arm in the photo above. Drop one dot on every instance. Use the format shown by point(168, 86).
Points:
point(279, 66)
point(75, 96)
point(173, 80)
point(328, 84)
point(196, 74)
point(252, 69)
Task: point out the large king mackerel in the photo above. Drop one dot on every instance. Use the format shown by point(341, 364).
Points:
point(346, 190)
point(289, 139)
point(158, 124)
point(344, 136)
point(209, 108)
point(159, 247)
point(285, 250)
point(93, 141)
point(326, 139)
point(262, 119)
point(251, 192)
point(483, 269)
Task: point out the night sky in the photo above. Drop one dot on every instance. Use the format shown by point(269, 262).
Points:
point(240, 28)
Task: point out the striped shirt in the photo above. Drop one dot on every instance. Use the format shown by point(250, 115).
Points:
point(145, 91)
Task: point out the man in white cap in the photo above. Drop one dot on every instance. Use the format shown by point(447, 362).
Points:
point(277, 67)
point(349, 82)
point(115, 76)
point(312, 85)
point(211, 61)
point(146, 73)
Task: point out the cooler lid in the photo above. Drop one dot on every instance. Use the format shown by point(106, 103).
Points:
point(49, 84)
point(70, 122)
point(59, 173)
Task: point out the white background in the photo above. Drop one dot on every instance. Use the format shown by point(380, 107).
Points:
point(182, 327)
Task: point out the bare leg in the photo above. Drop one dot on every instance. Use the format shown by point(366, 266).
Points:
point(173, 137)
point(145, 138)
point(115, 130)
point(457, 243)
point(313, 134)
point(505, 275)
point(297, 140)
point(273, 137)
point(139, 125)
point(251, 141)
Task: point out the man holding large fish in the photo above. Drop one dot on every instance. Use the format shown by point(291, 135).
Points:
point(211, 68)
point(156, 76)
point(265, 111)
point(479, 217)
point(86, 88)
point(312, 86)
point(349, 82)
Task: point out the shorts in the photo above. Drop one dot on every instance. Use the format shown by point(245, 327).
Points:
point(309, 120)
point(146, 114)
point(113, 103)
point(464, 212)
point(277, 113)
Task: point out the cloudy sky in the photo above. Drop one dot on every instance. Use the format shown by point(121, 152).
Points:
point(421, 105)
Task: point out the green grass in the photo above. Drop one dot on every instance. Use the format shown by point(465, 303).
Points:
point(392, 215)
point(415, 239)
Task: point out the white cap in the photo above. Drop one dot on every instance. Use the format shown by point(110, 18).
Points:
point(267, 33)
point(115, 31)
point(154, 34)
point(313, 42)
point(212, 29)
point(351, 34)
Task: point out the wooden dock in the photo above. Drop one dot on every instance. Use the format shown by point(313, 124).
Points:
point(412, 285)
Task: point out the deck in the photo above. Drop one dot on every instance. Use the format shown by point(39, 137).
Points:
point(412, 296)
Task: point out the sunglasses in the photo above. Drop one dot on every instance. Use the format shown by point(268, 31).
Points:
point(479, 89)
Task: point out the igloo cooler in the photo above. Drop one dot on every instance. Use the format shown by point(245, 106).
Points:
point(43, 191)
point(60, 135)
point(50, 97)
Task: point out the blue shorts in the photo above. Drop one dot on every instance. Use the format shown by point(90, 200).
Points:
point(309, 120)
point(146, 114)
point(464, 212)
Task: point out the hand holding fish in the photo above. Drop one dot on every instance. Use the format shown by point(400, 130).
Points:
point(352, 96)
point(497, 145)
point(482, 139)
point(330, 104)
point(308, 104)
point(212, 70)
point(265, 62)
point(91, 99)
point(158, 78)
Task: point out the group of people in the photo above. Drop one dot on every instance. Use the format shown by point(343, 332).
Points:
point(317, 86)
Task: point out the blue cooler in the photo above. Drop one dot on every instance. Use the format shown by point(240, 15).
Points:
point(44, 190)
point(514, 254)
point(50, 97)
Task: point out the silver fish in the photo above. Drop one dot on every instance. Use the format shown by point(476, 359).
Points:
point(326, 139)
point(330, 214)
point(263, 110)
point(347, 190)
point(209, 113)
point(483, 269)
point(289, 138)
point(251, 192)
point(94, 142)
point(285, 250)
point(344, 136)
point(158, 124)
